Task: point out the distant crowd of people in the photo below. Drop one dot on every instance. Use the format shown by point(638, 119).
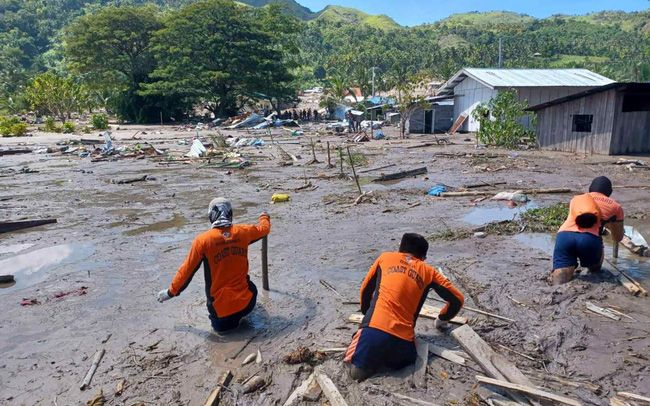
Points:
point(300, 115)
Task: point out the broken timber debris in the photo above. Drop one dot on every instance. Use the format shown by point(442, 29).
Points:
point(224, 381)
point(446, 354)
point(420, 367)
point(528, 390)
point(15, 151)
point(8, 226)
point(402, 175)
point(7, 279)
point(300, 391)
point(479, 311)
point(89, 375)
point(488, 193)
point(602, 311)
point(492, 363)
point(329, 389)
point(628, 282)
point(130, 180)
point(632, 396)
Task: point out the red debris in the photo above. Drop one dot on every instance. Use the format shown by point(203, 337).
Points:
point(77, 292)
point(29, 302)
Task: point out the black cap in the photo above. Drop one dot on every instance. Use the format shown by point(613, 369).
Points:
point(601, 184)
point(415, 245)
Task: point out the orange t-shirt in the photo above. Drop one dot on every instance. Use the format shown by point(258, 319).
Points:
point(605, 208)
point(224, 255)
point(394, 291)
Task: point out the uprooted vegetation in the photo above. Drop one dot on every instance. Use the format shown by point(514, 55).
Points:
point(540, 220)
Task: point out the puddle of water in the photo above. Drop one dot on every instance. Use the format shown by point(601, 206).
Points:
point(177, 222)
point(539, 241)
point(14, 248)
point(33, 267)
point(483, 215)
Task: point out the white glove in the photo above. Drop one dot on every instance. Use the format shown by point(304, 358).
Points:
point(440, 324)
point(164, 295)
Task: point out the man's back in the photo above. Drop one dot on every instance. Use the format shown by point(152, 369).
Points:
point(394, 291)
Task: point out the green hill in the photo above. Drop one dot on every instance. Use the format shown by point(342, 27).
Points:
point(345, 15)
point(291, 7)
point(487, 19)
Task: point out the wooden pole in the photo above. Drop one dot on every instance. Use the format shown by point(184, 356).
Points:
point(329, 158)
point(341, 160)
point(89, 375)
point(354, 172)
point(265, 263)
point(615, 250)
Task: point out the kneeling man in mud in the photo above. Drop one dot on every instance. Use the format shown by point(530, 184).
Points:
point(223, 251)
point(579, 236)
point(392, 295)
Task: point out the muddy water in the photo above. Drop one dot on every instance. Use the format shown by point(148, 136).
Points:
point(35, 266)
point(177, 222)
point(14, 248)
point(496, 212)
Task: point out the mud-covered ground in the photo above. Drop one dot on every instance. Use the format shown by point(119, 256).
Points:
point(116, 245)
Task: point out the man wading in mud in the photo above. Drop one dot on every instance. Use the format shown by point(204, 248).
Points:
point(392, 295)
point(580, 235)
point(223, 251)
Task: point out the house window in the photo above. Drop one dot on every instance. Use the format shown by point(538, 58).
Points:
point(636, 102)
point(582, 123)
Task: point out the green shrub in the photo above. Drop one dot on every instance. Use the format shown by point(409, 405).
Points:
point(499, 121)
point(50, 126)
point(12, 127)
point(99, 121)
point(69, 127)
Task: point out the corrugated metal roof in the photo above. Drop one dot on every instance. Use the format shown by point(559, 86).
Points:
point(631, 86)
point(500, 78)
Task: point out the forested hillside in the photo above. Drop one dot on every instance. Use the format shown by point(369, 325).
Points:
point(335, 46)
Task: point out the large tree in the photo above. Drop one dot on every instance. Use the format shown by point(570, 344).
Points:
point(112, 49)
point(217, 53)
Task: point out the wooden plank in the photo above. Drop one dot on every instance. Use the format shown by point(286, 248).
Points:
point(603, 312)
point(458, 123)
point(377, 168)
point(632, 396)
point(446, 354)
point(15, 151)
point(224, 381)
point(93, 368)
point(479, 311)
point(492, 363)
point(528, 390)
point(298, 393)
point(617, 402)
point(330, 390)
point(420, 368)
point(8, 226)
point(412, 400)
point(401, 175)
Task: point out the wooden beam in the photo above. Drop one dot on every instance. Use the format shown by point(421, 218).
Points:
point(297, 394)
point(446, 354)
point(412, 400)
point(8, 226)
point(224, 381)
point(402, 175)
point(93, 368)
point(483, 312)
point(528, 390)
point(632, 396)
point(330, 390)
point(603, 312)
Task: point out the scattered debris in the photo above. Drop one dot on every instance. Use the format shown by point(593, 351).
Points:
point(447, 354)
point(297, 395)
point(250, 358)
point(603, 312)
point(412, 400)
point(517, 196)
point(437, 190)
point(8, 226)
point(303, 355)
point(15, 151)
point(402, 175)
point(197, 149)
point(119, 389)
point(125, 181)
point(76, 292)
point(632, 396)
point(258, 357)
point(280, 198)
point(528, 390)
point(253, 384)
point(89, 375)
point(223, 382)
point(330, 390)
point(98, 400)
point(29, 302)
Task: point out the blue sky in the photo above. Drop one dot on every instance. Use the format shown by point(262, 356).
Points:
point(413, 12)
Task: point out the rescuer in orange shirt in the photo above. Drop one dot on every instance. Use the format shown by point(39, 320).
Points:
point(223, 251)
point(392, 295)
point(580, 235)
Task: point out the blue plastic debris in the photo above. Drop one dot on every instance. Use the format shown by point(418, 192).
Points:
point(378, 135)
point(437, 190)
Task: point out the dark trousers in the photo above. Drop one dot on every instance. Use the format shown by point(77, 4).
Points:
point(232, 321)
